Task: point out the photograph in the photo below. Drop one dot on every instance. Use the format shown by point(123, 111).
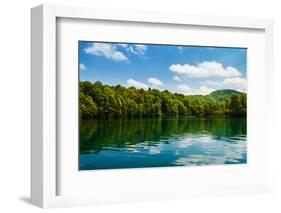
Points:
point(161, 105)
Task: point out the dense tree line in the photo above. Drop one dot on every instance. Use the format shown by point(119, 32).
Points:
point(103, 101)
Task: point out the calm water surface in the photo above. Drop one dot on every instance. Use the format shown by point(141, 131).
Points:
point(157, 142)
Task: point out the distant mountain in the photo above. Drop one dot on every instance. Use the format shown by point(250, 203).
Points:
point(223, 94)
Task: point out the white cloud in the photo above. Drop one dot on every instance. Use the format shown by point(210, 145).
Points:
point(202, 90)
point(154, 82)
point(122, 45)
point(113, 51)
point(235, 83)
point(137, 84)
point(184, 89)
point(82, 66)
point(106, 50)
point(141, 48)
point(137, 49)
point(177, 78)
point(212, 83)
point(204, 70)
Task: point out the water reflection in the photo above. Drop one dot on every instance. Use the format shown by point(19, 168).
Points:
point(174, 141)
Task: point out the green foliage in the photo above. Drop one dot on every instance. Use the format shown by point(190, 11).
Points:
point(88, 108)
point(103, 101)
point(223, 94)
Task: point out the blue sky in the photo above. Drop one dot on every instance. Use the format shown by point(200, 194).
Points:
point(183, 69)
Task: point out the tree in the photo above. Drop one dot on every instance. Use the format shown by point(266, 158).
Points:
point(88, 108)
point(103, 101)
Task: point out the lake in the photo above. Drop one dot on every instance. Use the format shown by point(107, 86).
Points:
point(159, 142)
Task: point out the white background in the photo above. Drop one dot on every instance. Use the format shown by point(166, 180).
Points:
point(15, 105)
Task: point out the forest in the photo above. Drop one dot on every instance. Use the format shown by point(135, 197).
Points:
point(97, 100)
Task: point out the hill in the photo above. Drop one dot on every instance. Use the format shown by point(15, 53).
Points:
point(221, 95)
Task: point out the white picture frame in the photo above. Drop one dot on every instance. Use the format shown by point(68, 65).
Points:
point(45, 168)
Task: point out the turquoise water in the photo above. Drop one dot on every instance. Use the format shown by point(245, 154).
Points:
point(158, 142)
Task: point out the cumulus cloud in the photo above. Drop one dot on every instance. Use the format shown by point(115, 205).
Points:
point(202, 90)
point(116, 51)
point(184, 89)
point(140, 48)
point(82, 66)
point(204, 70)
point(236, 83)
point(154, 81)
point(137, 49)
point(177, 78)
point(212, 83)
point(106, 50)
point(137, 84)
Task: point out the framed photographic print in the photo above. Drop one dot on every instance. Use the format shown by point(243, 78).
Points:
point(130, 106)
